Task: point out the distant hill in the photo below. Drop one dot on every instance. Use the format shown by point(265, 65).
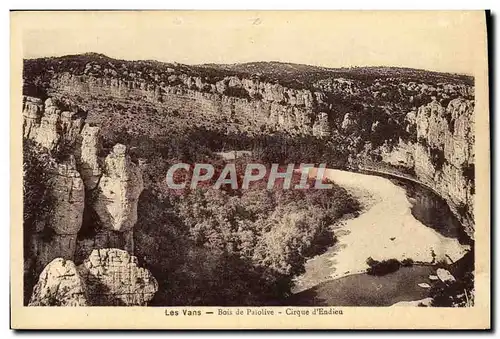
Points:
point(287, 74)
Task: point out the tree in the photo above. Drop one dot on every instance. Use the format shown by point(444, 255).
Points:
point(37, 202)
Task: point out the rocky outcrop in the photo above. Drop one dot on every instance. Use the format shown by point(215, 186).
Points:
point(48, 124)
point(81, 183)
point(47, 132)
point(107, 277)
point(59, 285)
point(118, 191)
point(88, 159)
point(57, 236)
point(32, 113)
point(445, 276)
point(114, 201)
point(348, 122)
point(68, 194)
point(338, 85)
point(321, 126)
point(113, 278)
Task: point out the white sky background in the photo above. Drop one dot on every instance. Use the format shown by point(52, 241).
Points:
point(438, 41)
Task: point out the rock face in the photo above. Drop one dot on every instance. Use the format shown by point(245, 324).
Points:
point(48, 124)
point(46, 133)
point(57, 236)
point(443, 155)
point(81, 183)
point(108, 277)
point(59, 285)
point(251, 102)
point(68, 193)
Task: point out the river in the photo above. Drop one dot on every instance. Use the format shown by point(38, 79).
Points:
point(399, 219)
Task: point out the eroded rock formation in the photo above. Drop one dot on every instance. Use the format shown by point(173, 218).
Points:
point(118, 191)
point(88, 158)
point(107, 277)
point(32, 113)
point(81, 183)
point(114, 278)
point(56, 237)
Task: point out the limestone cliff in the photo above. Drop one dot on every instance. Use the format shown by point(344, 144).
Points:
point(443, 155)
point(250, 102)
point(107, 277)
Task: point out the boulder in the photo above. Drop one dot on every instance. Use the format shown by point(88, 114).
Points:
point(445, 276)
point(59, 285)
point(114, 278)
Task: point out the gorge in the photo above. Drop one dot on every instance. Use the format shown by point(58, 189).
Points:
point(107, 130)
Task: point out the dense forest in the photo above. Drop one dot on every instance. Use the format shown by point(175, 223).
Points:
point(229, 246)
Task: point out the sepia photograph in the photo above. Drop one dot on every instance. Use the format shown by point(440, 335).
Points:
point(280, 165)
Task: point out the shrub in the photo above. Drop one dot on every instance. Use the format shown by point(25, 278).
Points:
point(37, 203)
point(237, 92)
point(407, 262)
point(382, 267)
point(462, 210)
point(468, 172)
point(437, 158)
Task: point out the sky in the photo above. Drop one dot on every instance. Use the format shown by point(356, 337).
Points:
point(441, 41)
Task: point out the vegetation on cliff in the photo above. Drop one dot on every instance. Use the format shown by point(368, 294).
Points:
point(37, 202)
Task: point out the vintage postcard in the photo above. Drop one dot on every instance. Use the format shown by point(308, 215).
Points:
point(250, 170)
